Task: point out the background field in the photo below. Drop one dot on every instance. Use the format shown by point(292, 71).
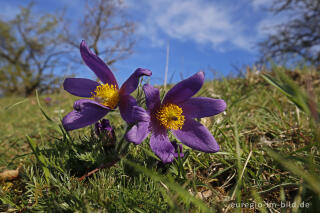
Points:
point(269, 154)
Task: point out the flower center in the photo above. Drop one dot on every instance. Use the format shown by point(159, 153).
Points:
point(107, 95)
point(170, 116)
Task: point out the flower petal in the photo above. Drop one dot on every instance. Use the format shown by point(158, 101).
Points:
point(196, 136)
point(101, 70)
point(152, 97)
point(138, 132)
point(80, 86)
point(202, 107)
point(161, 146)
point(130, 111)
point(86, 112)
point(132, 82)
point(184, 89)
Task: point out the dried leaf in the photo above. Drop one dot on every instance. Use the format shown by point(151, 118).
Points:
point(9, 174)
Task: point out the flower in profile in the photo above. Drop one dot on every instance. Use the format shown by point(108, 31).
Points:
point(176, 113)
point(102, 97)
point(104, 127)
point(105, 132)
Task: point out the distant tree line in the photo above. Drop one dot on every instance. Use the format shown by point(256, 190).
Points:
point(35, 47)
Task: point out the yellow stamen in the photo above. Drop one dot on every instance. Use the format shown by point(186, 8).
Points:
point(107, 95)
point(170, 116)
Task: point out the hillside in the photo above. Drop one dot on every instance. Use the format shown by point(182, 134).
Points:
point(269, 156)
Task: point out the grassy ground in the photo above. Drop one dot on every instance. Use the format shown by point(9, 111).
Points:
point(269, 158)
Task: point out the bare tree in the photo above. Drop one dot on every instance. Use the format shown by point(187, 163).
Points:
point(106, 30)
point(31, 45)
point(299, 37)
point(30, 50)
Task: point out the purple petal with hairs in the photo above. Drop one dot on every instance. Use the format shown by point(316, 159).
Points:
point(161, 146)
point(85, 112)
point(203, 107)
point(196, 136)
point(80, 86)
point(130, 111)
point(131, 84)
point(185, 89)
point(138, 132)
point(152, 97)
point(101, 70)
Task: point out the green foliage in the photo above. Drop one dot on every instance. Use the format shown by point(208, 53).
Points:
point(302, 163)
point(289, 88)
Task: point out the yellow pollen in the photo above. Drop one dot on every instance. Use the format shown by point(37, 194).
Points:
point(107, 95)
point(170, 116)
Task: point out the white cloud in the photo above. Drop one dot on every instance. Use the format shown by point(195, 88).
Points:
point(189, 20)
point(149, 31)
point(261, 3)
point(200, 21)
point(267, 26)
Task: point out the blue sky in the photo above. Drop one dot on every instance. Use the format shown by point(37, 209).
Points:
point(203, 34)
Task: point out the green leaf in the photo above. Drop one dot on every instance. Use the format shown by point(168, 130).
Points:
point(311, 179)
point(182, 192)
point(41, 158)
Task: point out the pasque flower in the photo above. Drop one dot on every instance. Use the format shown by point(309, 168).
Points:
point(176, 113)
point(103, 127)
point(103, 97)
point(105, 132)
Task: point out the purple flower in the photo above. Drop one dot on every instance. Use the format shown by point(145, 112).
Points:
point(103, 127)
point(103, 97)
point(105, 132)
point(47, 100)
point(176, 113)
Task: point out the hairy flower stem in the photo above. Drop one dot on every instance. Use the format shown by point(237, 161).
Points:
point(121, 150)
